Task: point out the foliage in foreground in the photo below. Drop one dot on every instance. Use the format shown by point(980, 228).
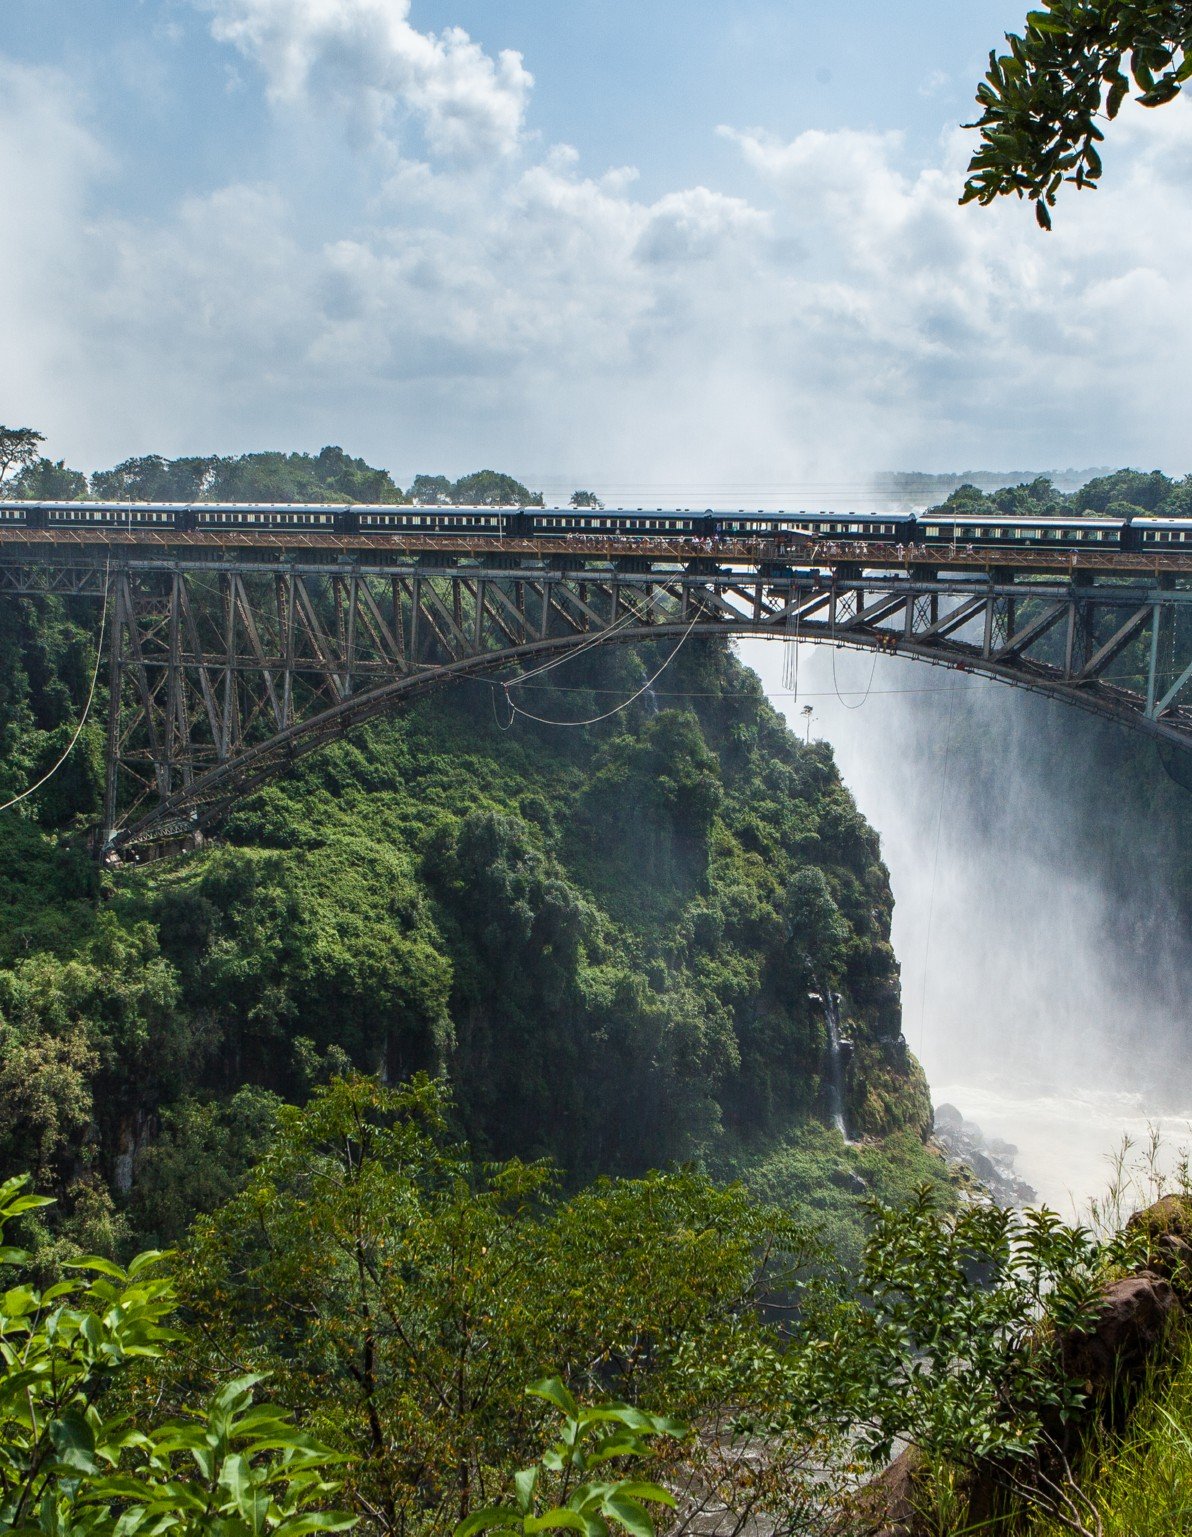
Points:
point(1072, 65)
point(398, 1295)
point(950, 1342)
point(565, 1489)
point(1138, 1484)
point(82, 1456)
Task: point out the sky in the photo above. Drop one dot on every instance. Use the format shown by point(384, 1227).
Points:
point(696, 253)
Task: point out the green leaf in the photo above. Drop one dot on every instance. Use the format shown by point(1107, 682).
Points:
point(554, 1391)
point(644, 1490)
point(97, 1265)
point(550, 1520)
point(525, 1482)
point(487, 1519)
point(316, 1521)
point(74, 1441)
point(626, 1511)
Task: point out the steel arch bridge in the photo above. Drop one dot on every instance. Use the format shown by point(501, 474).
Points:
point(229, 657)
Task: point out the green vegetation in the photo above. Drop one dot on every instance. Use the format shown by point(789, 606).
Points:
point(398, 1294)
point(647, 907)
point(1122, 494)
point(1137, 1484)
point(328, 476)
point(84, 1448)
point(1072, 65)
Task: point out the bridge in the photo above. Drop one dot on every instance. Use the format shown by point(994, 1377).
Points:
point(229, 656)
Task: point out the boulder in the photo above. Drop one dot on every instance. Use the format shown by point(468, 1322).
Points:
point(1166, 1228)
point(886, 1506)
point(1131, 1324)
point(947, 1117)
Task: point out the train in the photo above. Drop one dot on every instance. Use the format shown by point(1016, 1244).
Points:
point(938, 528)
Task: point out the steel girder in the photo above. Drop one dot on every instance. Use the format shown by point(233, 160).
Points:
point(222, 673)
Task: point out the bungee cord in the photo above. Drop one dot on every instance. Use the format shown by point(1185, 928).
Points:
point(594, 720)
point(70, 747)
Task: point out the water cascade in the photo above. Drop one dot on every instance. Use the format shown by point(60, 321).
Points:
point(837, 1050)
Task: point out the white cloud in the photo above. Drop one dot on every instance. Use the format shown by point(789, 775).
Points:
point(835, 312)
point(365, 55)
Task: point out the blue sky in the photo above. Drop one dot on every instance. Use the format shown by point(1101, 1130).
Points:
point(658, 248)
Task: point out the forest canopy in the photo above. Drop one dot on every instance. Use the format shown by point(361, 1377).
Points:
point(331, 475)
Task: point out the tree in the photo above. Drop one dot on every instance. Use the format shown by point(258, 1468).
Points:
point(74, 1461)
point(586, 499)
point(49, 480)
point(490, 488)
point(18, 448)
point(1074, 61)
point(430, 490)
point(399, 1294)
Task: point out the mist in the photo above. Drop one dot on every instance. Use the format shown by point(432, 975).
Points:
point(1044, 961)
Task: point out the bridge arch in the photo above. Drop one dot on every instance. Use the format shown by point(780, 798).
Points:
point(228, 663)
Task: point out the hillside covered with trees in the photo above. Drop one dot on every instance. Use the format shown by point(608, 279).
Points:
point(607, 942)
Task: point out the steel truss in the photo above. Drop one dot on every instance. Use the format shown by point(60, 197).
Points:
point(222, 672)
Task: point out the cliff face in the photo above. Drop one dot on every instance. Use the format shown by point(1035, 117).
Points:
point(609, 939)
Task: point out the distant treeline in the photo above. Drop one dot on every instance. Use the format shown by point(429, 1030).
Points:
point(922, 486)
point(1120, 494)
point(328, 476)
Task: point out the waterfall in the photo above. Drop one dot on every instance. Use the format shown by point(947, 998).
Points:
point(836, 1052)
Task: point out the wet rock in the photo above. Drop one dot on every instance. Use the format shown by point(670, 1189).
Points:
point(991, 1163)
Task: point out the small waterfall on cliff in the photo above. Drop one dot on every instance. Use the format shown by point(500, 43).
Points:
point(836, 1055)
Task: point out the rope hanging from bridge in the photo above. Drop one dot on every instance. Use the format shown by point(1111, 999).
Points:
point(70, 747)
point(594, 720)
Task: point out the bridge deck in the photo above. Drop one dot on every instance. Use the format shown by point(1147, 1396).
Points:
point(33, 543)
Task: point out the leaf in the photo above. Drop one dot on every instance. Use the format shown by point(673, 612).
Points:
point(1041, 214)
point(488, 1518)
point(554, 1391)
point(525, 1483)
point(237, 1478)
point(626, 1511)
point(74, 1441)
point(644, 1490)
point(550, 1520)
point(316, 1521)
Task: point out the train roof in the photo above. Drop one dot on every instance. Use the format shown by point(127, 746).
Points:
point(448, 507)
point(999, 520)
